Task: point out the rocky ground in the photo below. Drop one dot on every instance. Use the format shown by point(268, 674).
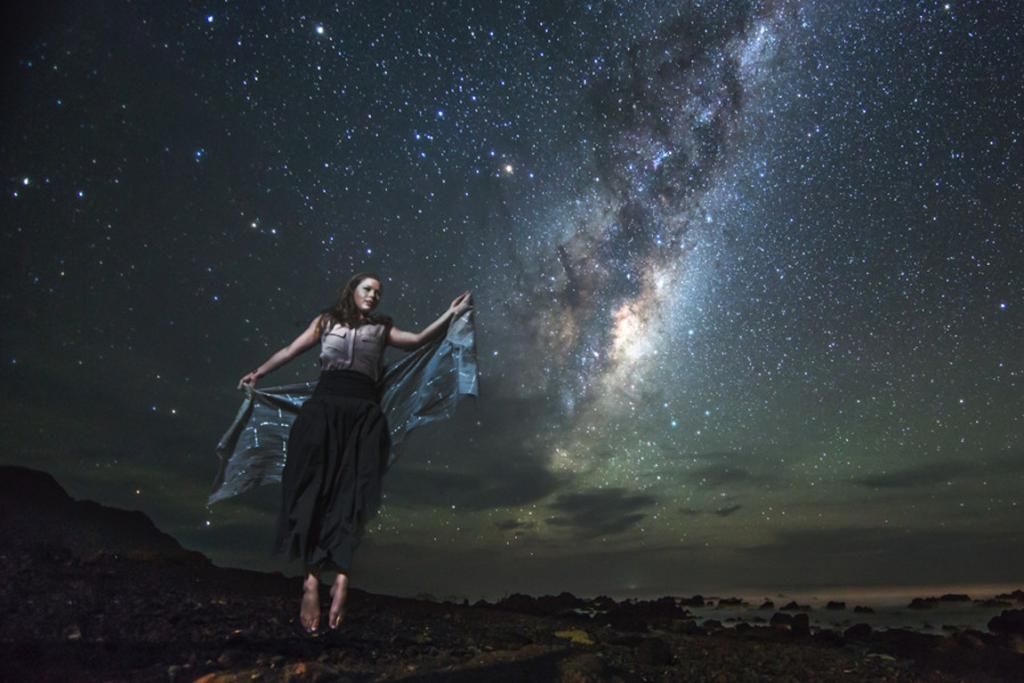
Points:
point(113, 618)
point(90, 593)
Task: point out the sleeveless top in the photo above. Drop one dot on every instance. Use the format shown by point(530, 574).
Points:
point(359, 348)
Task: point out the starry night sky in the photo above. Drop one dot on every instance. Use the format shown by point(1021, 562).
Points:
point(746, 275)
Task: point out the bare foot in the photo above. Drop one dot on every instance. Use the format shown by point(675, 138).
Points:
point(338, 592)
point(309, 613)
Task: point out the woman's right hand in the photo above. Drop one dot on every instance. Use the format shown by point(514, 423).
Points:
point(249, 379)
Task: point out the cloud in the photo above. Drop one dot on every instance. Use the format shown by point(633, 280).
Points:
point(494, 455)
point(514, 525)
point(726, 511)
point(997, 465)
point(720, 512)
point(925, 475)
point(600, 512)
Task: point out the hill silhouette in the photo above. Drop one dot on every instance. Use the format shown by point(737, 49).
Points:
point(36, 510)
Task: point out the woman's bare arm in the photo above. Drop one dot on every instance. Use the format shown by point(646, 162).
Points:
point(413, 340)
point(300, 344)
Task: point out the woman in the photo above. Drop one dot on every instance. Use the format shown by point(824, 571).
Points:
point(338, 445)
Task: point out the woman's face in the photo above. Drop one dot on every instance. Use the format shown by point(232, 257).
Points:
point(367, 295)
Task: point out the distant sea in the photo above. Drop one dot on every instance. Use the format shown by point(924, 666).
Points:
point(891, 605)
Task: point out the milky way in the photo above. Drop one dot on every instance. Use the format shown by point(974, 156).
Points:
point(666, 120)
point(747, 275)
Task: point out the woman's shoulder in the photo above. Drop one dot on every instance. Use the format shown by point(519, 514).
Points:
point(327, 323)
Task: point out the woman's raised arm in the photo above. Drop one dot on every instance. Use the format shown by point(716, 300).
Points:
point(413, 340)
point(300, 344)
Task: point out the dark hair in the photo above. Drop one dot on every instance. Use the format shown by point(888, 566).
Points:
point(344, 310)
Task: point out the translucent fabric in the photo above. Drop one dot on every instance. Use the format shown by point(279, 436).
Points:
point(422, 387)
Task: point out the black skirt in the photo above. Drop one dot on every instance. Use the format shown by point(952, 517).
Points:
point(336, 458)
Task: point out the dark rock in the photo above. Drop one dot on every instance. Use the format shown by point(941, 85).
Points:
point(905, 641)
point(1016, 596)
point(546, 605)
point(859, 609)
point(794, 607)
point(993, 603)
point(767, 605)
point(517, 602)
point(835, 605)
point(730, 602)
point(829, 637)
point(640, 615)
point(712, 625)
point(970, 639)
point(1013, 642)
point(858, 632)
point(801, 625)
point(688, 626)
point(653, 652)
point(781, 621)
point(928, 603)
point(695, 601)
point(1009, 621)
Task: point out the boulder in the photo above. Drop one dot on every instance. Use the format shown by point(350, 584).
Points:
point(731, 602)
point(792, 606)
point(1010, 621)
point(970, 639)
point(712, 625)
point(695, 601)
point(686, 626)
point(858, 632)
point(1016, 596)
point(801, 625)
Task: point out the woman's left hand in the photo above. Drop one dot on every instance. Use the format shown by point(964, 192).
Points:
point(460, 304)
